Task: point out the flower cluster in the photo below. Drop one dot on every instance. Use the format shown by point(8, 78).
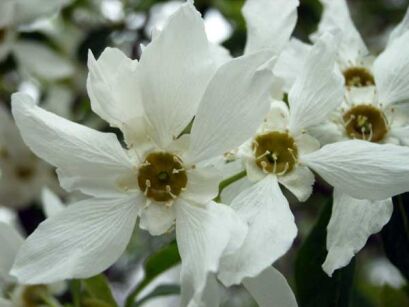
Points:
point(209, 147)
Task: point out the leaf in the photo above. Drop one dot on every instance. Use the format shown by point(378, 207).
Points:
point(395, 235)
point(162, 290)
point(314, 287)
point(155, 265)
point(98, 289)
point(391, 297)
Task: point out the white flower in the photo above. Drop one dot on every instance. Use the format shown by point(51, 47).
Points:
point(276, 155)
point(11, 293)
point(33, 58)
point(374, 110)
point(284, 153)
point(23, 174)
point(160, 177)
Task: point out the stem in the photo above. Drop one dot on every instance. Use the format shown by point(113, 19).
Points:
point(225, 183)
point(75, 287)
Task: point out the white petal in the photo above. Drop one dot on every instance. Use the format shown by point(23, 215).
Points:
point(28, 11)
point(328, 132)
point(336, 17)
point(202, 185)
point(363, 169)
point(270, 289)
point(318, 89)
point(290, 61)
point(52, 204)
point(5, 303)
point(81, 241)
point(269, 23)
point(271, 231)
point(204, 234)
point(233, 106)
point(278, 116)
point(391, 70)
point(306, 143)
point(300, 182)
point(402, 133)
point(157, 218)
point(400, 29)
point(7, 9)
point(10, 242)
point(352, 222)
point(174, 71)
point(113, 87)
point(42, 61)
point(87, 160)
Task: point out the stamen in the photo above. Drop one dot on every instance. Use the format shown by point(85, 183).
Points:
point(169, 191)
point(287, 166)
point(291, 151)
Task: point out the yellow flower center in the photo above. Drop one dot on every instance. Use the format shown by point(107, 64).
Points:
point(162, 176)
point(275, 152)
point(358, 77)
point(366, 122)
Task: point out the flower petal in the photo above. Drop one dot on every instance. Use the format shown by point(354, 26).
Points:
point(270, 289)
point(7, 9)
point(299, 182)
point(363, 169)
point(157, 218)
point(10, 242)
point(202, 185)
point(113, 87)
point(336, 17)
point(269, 23)
point(204, 234)
point(318, 89)
point(402, 133)
point(352, 222)
point(271, 231)
point(52, 204)
point(233, 106)
point(81, 241)
point(87, 160)
point(41, 61)
point(28, 11)
point(174, 71)
point(400, 29)
point(290, 62)
point(391, 71)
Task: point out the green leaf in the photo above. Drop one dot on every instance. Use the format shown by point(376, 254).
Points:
point(98, 289)
point(162, 290)
point(155, 265)
point(314, 287)
point(391, 297)
point(395, 235)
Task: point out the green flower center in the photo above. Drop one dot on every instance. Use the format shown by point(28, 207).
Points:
point(365, 122)
point(275, 152)
point(162, 176)
point(358, 77)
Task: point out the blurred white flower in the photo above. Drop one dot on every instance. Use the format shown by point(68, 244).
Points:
point(24, 175)
point(374, 110)
point(162, 177)
point(33, 58)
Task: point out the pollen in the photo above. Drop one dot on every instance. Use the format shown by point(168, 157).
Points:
point(162, 177)
point(358, 77)
point(275, 152)
point(365, 122)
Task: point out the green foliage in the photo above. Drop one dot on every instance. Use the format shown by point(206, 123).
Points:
point(395, 235)
point(391, 297)
point(314, 287)
point(98, 289)
point(162, 290)
point(155, 265)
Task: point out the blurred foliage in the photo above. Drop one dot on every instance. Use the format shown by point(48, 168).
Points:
point(314, 287)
